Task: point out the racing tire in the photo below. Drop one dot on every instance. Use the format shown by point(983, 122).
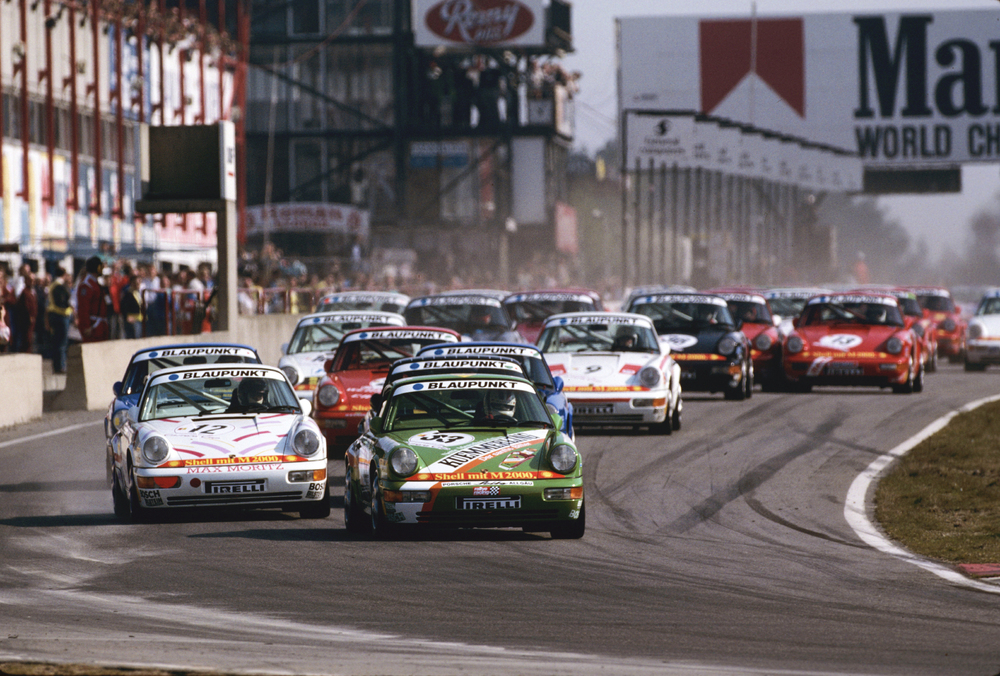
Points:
point(918, 381)
point(664, 427)
point(570, 530)
point(120, 500)
point(978, 368)
point(136, 512)
point(749, 381)
point(675, 419)
point(380, 529)
point(738, 393)
point(319, 509)
point(905, 387)
point(355, 519)
point(109, 471)
point(932, 363)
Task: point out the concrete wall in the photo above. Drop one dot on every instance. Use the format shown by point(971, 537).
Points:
point(21, 392)
point(92, 368)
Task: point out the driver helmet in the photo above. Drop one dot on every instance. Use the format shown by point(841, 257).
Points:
point(500, 403)
point(627, 337)
point(251, 391)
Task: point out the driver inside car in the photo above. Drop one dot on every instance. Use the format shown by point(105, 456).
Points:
point(250, 394)
point(497, 405)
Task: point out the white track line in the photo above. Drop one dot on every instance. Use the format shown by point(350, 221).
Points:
point(50, 433)
point(856, 506)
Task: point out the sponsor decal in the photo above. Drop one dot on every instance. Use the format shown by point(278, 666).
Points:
point(397, 334)
point(486, 490)
point(603, 388)
point(680, 298)
point(599, 319)
point(479, 22)
point(484, 476)
point(529, 297)
point(345, 319)
point(229, 373)
point(856, 355)
point(679, 341)
point(316, 490)
point(459, 300)
point(742, 298)
point(726, 56)
point(497, 350)
point(236, 487)
point(486, 449)
point(817, 366)
point(436, 439)
point(494, 364)
point(516, 458)
point(195, 429)
point(197, 351)
point(462, 484)
point(698, 357)
point(475, 384)
point(852, 298)
point(233, 460)
point(840, 341)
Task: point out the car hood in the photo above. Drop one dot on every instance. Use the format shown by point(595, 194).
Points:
point(695, 342)
point(587, 371)
point(476, 454)
point(990, 324)
point(309, 364)
point(842, 340)
point(228, 438)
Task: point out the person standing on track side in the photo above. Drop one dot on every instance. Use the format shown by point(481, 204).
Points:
point(91, 305)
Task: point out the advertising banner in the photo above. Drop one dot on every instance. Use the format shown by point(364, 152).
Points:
point(478, 23)
point(900, 90)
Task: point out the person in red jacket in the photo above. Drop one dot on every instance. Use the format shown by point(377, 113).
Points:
point(91, 305)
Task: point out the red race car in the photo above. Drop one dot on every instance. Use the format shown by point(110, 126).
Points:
point(940, 307)
point(916, 320)
point(853, 339)
point(358, 370)
point(750, 308)
point(531, 308)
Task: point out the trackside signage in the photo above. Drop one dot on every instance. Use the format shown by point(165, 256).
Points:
point(899, 89)
point(471, 23)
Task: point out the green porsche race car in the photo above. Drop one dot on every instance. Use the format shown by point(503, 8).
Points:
point(462, 451)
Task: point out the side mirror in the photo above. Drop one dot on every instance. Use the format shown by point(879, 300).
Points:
point(738, 324)
point(133, 415)
point(556, 420)
point(376, 402)
point(306, 406)
point(795, 322)
point(559, 383)
point(327, 365)
point(375, 425)
point(117, 388)
point(284, 348)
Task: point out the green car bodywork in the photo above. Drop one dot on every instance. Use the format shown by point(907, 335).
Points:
point(437, 455)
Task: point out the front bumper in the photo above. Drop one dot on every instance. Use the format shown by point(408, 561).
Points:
point(879, 372)
point(979, 351)
point(709, 373)
point(647, 407)
point(488, 504)
point(263, 484)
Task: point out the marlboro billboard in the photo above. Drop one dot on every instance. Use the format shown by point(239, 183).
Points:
point(901, 90)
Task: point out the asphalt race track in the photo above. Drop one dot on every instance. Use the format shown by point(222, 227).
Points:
point(722, 549)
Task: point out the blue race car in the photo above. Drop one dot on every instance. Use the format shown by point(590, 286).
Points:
point(532, 361)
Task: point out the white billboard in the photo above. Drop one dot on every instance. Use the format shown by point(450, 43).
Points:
point(478, 23)
point(899, 89)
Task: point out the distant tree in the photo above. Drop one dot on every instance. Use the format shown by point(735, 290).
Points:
point(862, 227)
point(982, 257)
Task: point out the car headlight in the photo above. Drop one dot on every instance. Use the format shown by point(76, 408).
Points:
point(949, 325)
point(155, 449)
point(763, 342)
point(727, 345)
point(118, 419)
point(403, 461)
point(306, 443)
point(328, 395)
point(894, 345)
point(794, 344)
point(563, 458)
point(649, 376)
point(976, 331)
point(291, 373)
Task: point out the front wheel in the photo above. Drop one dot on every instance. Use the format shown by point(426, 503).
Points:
point(975, 367)
point(381, 529)
point(354, 515)
point(571, 530)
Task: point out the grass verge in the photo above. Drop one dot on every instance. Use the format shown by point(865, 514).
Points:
point(942, 499)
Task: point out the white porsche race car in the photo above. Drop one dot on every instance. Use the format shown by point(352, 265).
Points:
point(231, 435)
point(615, 369)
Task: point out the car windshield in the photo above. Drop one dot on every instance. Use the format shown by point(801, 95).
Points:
point(378, 353)
point(465, 407)
point(135, 376)
point(324, 336)
point(786, 306)
point(538, 310)
point(851, 312)
point(989, 306)
point(936, 303)
point(194, 396)
point(685, 317)
point(598, 337)
point(460, 316)
point(376, 304)
point(754, 313)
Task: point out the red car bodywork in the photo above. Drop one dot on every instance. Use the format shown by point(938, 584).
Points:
point(358, 370)
point(530, 309)
point(752, 309)
point(940, 307)
point(830, 347)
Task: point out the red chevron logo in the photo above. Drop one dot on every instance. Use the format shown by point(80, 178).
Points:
point(725, 52)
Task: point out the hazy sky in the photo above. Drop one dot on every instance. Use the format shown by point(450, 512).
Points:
point(941, 220)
